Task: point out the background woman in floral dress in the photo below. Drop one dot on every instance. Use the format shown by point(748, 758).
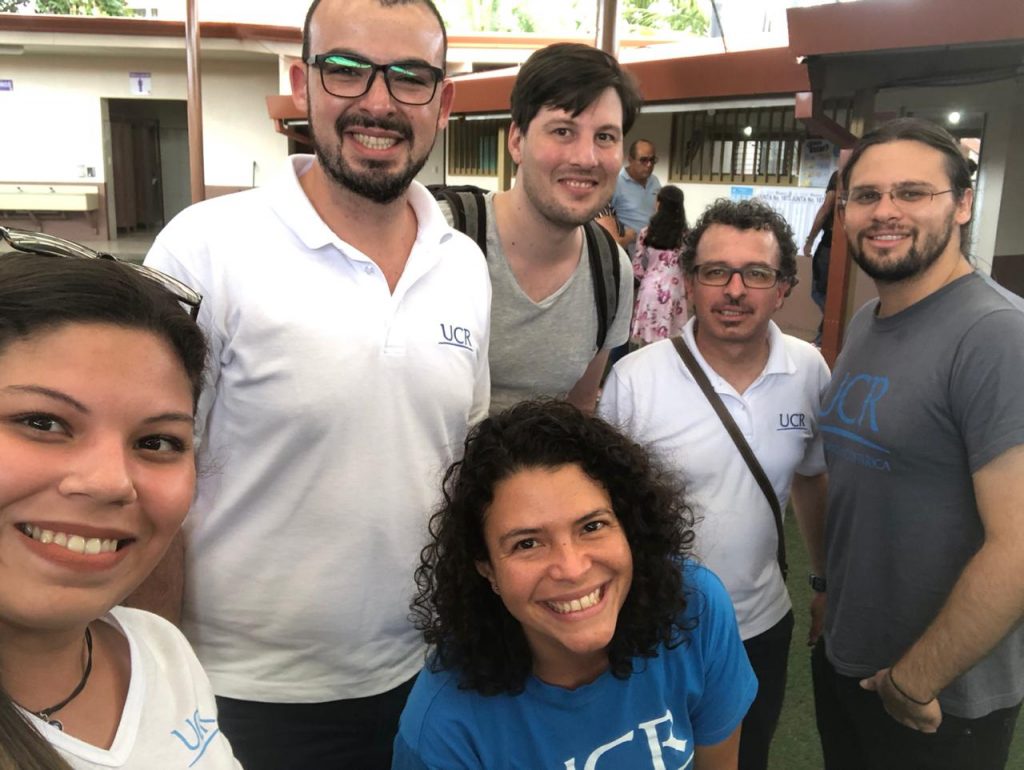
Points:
point(661, 299)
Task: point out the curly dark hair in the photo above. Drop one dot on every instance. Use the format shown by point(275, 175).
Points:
point(749, 214)
point(468, 625)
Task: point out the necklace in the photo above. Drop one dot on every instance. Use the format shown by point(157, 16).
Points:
point(47, 714)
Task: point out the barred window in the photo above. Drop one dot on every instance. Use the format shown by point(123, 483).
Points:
point(473, 146)
point(758, 145)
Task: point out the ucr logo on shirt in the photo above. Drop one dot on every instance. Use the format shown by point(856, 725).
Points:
point(855, 400)
point(794, 421)
point(202, 729)
point(455, 335)
point(650, 737)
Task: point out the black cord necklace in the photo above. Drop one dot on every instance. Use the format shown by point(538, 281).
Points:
point(47, 714)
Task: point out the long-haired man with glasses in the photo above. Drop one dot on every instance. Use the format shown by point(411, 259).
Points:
point(740, 264)
point(349, 327)
point(921, 663)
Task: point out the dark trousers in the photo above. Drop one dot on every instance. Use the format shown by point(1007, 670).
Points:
point(857, 733)
point(769, 657)
point(336, 735)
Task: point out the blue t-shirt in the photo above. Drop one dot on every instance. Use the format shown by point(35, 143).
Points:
point(696, 693)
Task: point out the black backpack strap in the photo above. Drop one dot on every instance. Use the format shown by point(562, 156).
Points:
point(469, 210)
point(605, 273)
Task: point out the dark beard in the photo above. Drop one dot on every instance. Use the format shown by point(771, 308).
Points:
point(913, 263)
point(374, 182)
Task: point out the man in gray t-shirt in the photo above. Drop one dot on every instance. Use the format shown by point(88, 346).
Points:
point(922, 664)
point(571, 106)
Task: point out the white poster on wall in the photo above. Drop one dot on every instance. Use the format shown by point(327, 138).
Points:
point(140, 83)
point(818, 160)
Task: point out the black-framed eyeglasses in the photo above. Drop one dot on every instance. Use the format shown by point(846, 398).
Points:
point(645, 159)
point(753, 276)
point(904, 197)
point(349, 76)
point(52, 246)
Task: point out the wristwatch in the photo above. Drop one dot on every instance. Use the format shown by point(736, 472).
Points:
point(817, 583)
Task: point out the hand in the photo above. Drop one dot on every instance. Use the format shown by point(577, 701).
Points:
point(817, 618)
point(807, 247)
point(925, 719)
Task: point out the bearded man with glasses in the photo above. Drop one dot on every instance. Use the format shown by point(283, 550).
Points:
point(349, 327)
point(740, 264)
point(921, 664)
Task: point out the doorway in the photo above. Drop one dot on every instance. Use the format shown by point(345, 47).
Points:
point(148, 172)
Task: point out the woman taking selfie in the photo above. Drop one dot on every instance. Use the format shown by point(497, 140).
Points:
point(568, 630)
point(100, 369)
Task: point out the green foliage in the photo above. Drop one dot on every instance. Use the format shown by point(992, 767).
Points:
point(10, 6)
point(653, 16)
point(571, 17)
point(83, 7)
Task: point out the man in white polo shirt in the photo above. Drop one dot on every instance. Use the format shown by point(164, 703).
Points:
point(349, 330)
point(740, 263)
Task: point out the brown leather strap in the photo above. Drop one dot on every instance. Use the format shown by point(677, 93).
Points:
point(741, 444)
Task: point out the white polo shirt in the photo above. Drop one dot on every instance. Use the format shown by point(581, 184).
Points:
point(654, 398)
point(332, 410)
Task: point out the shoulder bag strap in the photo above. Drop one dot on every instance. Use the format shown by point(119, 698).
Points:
point(741, 444)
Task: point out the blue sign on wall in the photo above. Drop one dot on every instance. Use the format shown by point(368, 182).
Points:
point(6, 85)
point(741, 193)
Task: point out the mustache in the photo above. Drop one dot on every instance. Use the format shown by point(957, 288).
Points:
point(393, 123)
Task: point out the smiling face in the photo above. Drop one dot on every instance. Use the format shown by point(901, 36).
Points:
point(372, 144)
point(893, 242)
point(733, 313)
point(562, 565)
point(568, 165)
point(96, 469)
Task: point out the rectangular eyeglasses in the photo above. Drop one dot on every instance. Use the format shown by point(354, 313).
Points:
point(753, 276)
point(349, 76)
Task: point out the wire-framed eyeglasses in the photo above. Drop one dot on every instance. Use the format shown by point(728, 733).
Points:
point(52, 246)
point(349, 76)
point(753, 276)
point(904, 197)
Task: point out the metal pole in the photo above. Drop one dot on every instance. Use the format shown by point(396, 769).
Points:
point(195, 105)
point(606, 37)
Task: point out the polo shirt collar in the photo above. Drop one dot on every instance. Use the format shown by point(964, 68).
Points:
point(779, 360)
point(289, 200)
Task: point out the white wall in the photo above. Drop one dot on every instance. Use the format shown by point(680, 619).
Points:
point(52, 119)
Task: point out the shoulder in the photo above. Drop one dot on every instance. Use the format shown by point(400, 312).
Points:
point(805, 357)
point(153, 633)
point(651, 361)
point(439, 718)
point(705, 593)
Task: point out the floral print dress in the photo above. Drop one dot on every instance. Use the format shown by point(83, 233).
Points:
point(661, 299)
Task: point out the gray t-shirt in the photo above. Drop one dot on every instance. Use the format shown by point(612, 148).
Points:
point(919, 401)
point(543, 348)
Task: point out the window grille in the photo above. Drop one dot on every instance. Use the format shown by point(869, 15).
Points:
point(757, 145)
point(473, 146)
